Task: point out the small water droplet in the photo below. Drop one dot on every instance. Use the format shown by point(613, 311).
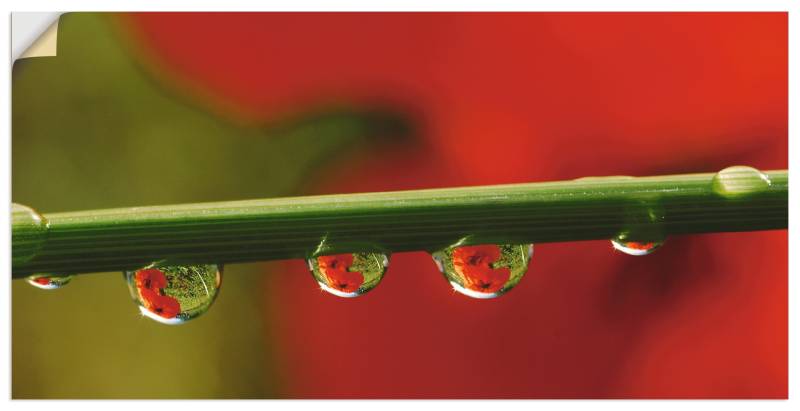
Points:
point(643, 230)
point(484, 271)
point(29, 233)
point(635, 247)
point(739, 180)
point(48, 282)
point(350, 274)
point(174, 294)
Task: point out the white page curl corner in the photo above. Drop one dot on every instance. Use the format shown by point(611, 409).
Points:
point(34, 34)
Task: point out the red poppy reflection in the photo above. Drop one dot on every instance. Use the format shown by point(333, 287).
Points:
point(42, 280)
point(473, 265)
point(335, 269)
point(150, 279)
point(149, 284)
point(639, 246)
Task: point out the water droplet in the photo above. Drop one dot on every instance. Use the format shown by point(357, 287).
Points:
point(173, 294)
point(643, 231)
point(48, 282)
point(484, 271)
point(349, 274)
point(635, 247)
point(29, 233)
point(739, 180)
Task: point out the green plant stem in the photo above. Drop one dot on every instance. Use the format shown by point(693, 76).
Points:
point(285, 228)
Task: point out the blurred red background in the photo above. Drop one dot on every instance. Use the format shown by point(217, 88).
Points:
point(520, 97)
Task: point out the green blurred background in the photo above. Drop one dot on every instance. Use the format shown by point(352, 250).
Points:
point(93, 129)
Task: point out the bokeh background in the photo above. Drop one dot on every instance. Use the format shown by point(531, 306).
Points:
point(158, 108)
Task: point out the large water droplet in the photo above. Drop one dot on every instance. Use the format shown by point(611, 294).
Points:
point(739, 180)
point(48, 282)
point(350, 274)
point(635, 247)
point(173, 294)
point(484, 271)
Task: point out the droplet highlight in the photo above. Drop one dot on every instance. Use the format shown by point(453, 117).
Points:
point(48, 282)
point(484, 271)
point(739, 181)
point(636, 248)
point(174, 294)
point(350, 274)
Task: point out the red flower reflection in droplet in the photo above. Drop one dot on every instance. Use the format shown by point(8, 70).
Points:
point(149, 283)
point(42, 280)
point(150, 279)
point(335, 269)
point(473, 264)
point(639, 246)
point(161, 305)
